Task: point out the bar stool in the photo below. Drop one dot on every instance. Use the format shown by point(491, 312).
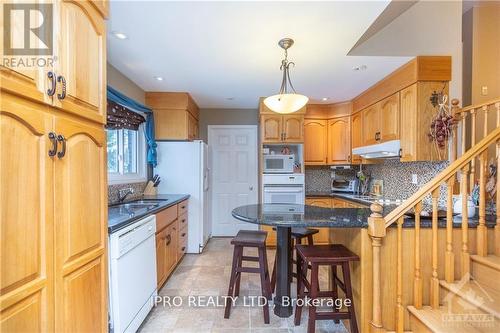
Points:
point(332, 255)
point(249, 238)
point(297, 235)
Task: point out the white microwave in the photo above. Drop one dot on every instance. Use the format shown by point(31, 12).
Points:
point(279, 163)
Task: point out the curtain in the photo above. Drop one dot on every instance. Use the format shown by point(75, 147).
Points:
point(119, 117)
point(149, 132)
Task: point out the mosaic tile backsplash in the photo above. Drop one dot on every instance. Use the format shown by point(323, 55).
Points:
point(396, 176)
point(114, 189)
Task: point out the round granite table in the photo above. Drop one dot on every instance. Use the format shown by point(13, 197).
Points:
point(286, 216)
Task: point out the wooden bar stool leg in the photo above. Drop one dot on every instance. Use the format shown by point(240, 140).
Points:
point(268, 277)
point(310, 240)
point(232, 279)
point(311, 325)
point(335, 290)
point(273, 276)
point(264, 283)
point(348, 294)
point(238, 274)
point(301, 270)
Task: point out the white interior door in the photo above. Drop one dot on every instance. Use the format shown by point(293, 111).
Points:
point(233, 164)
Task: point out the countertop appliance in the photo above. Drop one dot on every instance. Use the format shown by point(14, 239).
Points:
point(183, 168)
point(339, 185)
point(279, 163)
point(132, 274)
point(283, 189)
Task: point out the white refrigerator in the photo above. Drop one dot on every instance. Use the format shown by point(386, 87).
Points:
point(183, 168)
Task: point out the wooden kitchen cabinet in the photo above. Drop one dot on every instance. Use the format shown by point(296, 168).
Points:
point(371, 124)
point(80, 232)
point(339, 141)
point(271, 128)
point(81, 61)
point(277, 128)
point(171, 239)
point(315, 141)
point(176, 115)
point(293, 128)
point(54, 222)
point(389, 118)
point(356, 135)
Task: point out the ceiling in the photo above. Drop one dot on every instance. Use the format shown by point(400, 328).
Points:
point(225, 54)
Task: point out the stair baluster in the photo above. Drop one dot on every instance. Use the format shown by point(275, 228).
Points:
point(465, 260)
point(482, 240)
point(449, 268)
point(400, 310)
point(418, 283)
point(434, 293)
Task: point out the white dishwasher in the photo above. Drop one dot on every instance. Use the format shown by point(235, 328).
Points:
point(132, 274)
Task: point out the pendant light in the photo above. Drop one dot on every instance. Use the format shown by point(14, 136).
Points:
point(286, 101)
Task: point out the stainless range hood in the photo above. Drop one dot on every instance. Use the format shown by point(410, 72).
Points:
point(380, 150)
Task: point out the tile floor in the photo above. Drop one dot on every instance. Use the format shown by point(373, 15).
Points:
point(207, 274)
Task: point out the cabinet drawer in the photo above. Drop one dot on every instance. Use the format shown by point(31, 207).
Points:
point(165, 217)
point(182, 242)
point(183, 221)
point(182, 207)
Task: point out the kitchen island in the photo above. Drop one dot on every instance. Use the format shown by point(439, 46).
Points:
point(349, 226)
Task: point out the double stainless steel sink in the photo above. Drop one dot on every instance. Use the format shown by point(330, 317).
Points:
point(132, 207)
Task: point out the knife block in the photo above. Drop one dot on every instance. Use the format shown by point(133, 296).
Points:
point(150, 189)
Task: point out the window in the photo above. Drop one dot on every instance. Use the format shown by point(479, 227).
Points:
point(126, 156)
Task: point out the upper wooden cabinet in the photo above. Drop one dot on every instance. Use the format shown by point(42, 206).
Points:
point(339, 141)
point(381, 121)
point(81, 63)
point(356, 135)
point(371, 124)
point(416, 116)
point(277, 128)
point(78, 73)
point(176, 115)
point(389, 118)
point(315, 141)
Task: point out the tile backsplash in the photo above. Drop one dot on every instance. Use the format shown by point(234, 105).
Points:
point(396, 176)
point(114, 189)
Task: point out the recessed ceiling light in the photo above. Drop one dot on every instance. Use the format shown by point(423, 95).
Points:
point(230, 98)
point(324, 99)
point(359, 68)
point(158, 78)
point(119, 35)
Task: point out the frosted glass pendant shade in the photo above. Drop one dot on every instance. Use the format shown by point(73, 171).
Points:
point(286, 103)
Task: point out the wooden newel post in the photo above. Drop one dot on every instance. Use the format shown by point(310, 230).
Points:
point(376, 231)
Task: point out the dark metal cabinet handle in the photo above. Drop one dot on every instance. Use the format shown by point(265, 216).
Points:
point(52, 77)
point(183, 248)
point(183, 234)
point(62, 140)
point(53, 139)
point(62, 80)
point(183, 220)
point(400, 152)
point(169, 239)
point(349, 158)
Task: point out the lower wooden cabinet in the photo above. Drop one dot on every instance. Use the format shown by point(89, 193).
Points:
point(171, 240)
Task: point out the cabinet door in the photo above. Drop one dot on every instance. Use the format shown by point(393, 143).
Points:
point(80, 194)
point(371, 126)
point(161, 258)
point(356, 134)
point(338, 203)
point(18, 77)
point(171, 248)
point(389, 123)
point(339, 141)
point(323, 236)
point(26, 227)
point(270, 127)
point(293, 128)
point(408, 120)
point(81, 52)
point(315, 138)
point(192, 127)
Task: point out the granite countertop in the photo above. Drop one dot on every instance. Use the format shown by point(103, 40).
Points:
point(119, 217)
point(313, 216)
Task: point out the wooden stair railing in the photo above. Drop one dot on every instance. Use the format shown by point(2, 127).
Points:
point(462, 168)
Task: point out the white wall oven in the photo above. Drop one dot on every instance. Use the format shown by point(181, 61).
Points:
point(283, 189)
